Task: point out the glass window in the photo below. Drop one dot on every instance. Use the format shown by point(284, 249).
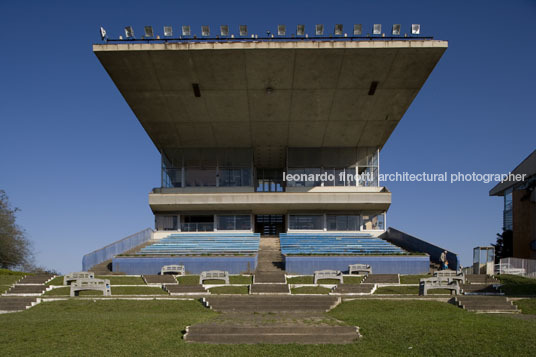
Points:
point(306, 177)
point(342, 222)
point(368, 176)
point(235, 176)
point(306, 222)
point(196, 177)
point(373, 221)
point(234, 222)
point(166, 223)
point(507, 213)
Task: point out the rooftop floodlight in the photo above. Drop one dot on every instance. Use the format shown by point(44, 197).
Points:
point(186, 30)
point(102, 33)
point(300, 30)
point(358, 29)
point(243, 30)
point(319, 29)
point(396, 29)
point(377, 29)
point(129, 32)
point(205, 30)
point(415, 29)
point(338, 29)
point(168, 31)
point(148, 31)
point(281, 30)
point(224, 30)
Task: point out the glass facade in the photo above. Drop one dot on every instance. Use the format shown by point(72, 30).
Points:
point(507, 212)
point(373, 221)
point(238, 222)
point(306, 222)
point(342, 222)
point(234, 177)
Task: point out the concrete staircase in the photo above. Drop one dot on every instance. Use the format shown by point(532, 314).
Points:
point(381, 279)
point(354, 289)
point(174, 289)
point(278, 334)
point(480, 284)
point(270, 303)
point(487, 304)
point(17, 303)
point(269, 276)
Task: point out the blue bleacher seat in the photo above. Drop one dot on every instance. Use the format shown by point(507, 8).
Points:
point(335, 243)
point(205, 243)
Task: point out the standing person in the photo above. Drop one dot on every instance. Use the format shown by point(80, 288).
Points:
point(444, 261)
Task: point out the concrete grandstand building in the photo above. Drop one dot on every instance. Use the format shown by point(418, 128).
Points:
point(276, 137)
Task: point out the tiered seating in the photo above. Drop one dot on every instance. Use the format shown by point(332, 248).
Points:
point(335, 243)
point(205, 243)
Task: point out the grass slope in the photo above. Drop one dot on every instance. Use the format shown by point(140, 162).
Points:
point(527, 306)
point(308, 279)
point(233, 279)
point(125, 328)
point(407, 290)
point(517, 285)
point(116, 290)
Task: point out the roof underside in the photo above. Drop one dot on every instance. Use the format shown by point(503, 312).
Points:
point(319, 97)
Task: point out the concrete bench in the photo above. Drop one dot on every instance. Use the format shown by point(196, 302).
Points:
point(91, 284)
point(173, 269)
point(451, 274)
point(69, 278)
point(438, 283)
point(214, 275)
point(359, 269)
point(328, 274)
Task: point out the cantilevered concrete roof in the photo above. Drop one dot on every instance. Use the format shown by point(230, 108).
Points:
point(527, 167)
point(270, 95)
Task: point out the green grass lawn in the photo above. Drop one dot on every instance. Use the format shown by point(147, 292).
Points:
point(527, 306)
point(308, 279)
point(118, 290)
point(407, 290)
point(229, 290)
point(233, 279)
point(8, 279)
point(310, 290)
point(4, 288)
point(412, 279)
point(389, 328)
point(56, 281)
point(517, 285)
point(114, 280)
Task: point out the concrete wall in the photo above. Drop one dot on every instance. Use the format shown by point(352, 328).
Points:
point(524, 223)
point(306, 265)
point(416, 245)
point(108, 252)
point(193, 265)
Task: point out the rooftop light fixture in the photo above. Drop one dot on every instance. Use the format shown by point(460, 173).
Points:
point(168, 31)
point(148, 31)
point(415, 29)
point(396, 29)
point(186, 30)
point(338, 29)
point(300, 30)
point(281, 30)
point(129, 32)
point(358, 29)
point(205, 30)
point(319, 29)
point(243, 30)
point(102, 33)
point(224, 30)
point(377, 29)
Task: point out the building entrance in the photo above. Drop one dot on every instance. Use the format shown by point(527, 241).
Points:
point(269, 224)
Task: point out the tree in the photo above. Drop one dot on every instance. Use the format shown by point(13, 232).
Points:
point(15, 249)
point(504, 247)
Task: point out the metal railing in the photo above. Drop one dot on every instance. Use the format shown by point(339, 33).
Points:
point(197, 227)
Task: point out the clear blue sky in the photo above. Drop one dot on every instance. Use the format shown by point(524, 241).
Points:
point(78, 164)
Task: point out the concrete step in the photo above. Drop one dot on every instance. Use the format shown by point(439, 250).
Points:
point(35, 279)
point(353, 289)
point(478, 288)
point(272, 334)
point(27, 289)
point(266, 303)
point(269, 289)
point(159, 279)
point(381, 279)
point(16, 303)
point(480, 279)
point(486, 304)
point(269, 277)
point(174, 289)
